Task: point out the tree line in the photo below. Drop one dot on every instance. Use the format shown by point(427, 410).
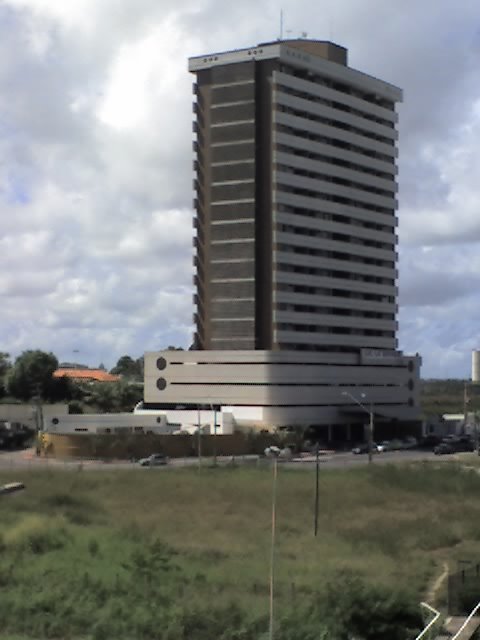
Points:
point(29, 378)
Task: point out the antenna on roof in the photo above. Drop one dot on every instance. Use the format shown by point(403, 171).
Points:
point(281, 25)
point(330, 25)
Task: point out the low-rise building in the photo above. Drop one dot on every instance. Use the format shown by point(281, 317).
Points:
point(86, 375)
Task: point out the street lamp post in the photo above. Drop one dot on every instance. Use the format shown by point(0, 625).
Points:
point(370, 435)
point(475, 433)
point(317, 469)
point(273, 452)
point(272, 548)
point(370, 422)
point(215, 436)
point(199, 440)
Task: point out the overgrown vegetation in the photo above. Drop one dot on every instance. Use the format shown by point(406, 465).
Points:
point(184, 554)
point(447, 396)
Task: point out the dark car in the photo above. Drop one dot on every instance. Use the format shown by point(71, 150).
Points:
point(363, 448)
point(443, 448)
point(429, 441)
point(454, 445)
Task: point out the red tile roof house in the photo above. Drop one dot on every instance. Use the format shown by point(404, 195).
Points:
point(87, 375)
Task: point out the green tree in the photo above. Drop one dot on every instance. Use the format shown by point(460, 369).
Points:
point(75, 407)
point(5, 366)
point(112, 397)
point(102, 395)
point(32, 375)
point(129, 368)
point(128, 395)
point(5, 363)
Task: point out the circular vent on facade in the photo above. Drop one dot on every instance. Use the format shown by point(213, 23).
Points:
point(161, 364)
point(161, 384)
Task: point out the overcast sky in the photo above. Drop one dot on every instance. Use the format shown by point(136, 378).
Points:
point(96, 164)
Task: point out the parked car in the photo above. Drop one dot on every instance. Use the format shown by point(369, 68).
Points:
point(429, 441)
point(443, 448)
point(363, 448)
point(396, 444)
point(154, 460)
point(273, 451)
point(384, 446)
point(410, 442)
point(454, 444)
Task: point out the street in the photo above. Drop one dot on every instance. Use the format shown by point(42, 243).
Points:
point(26, 459)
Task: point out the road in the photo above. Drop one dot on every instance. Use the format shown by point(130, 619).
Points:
point(348, 459)
point(27, 460)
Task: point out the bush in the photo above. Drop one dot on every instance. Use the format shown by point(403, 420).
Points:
point(356, 609)
point(75, 407)
point(37, 534)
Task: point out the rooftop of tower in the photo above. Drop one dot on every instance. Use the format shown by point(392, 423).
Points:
point(321, 48)
point(319, 56)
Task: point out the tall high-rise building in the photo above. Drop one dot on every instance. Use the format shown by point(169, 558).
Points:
point(295, 201)
point(295, 246)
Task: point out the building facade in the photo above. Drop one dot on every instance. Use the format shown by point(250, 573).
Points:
point(295, 243)
point(295, 201)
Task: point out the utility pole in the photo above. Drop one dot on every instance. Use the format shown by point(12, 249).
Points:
point(315, 528)
point(215, 436)
point(37, 398)
point(370, 436)
point(199, 440)
point(475, 432)
point(466, 401)
point(370, 421)
point(272, 549)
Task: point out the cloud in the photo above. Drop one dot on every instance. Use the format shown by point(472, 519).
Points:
point(437, 275)
point(96, 178)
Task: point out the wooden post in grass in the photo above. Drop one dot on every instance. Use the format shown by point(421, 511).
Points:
point(215, 436)
point(370, 436)
point(272, 549)
point(315, 526)
point(199, 440)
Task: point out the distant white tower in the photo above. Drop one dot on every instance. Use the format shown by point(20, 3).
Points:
point(476, 366)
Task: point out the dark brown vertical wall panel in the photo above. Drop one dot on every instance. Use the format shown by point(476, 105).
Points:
point(231, 232)
point(263, 206)
point(202, 206)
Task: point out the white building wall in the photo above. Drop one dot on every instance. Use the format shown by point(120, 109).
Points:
point(290, 387)
point(139, 422)
point(31, 415)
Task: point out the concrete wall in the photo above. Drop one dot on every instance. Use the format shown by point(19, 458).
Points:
point(128, 447)
point(141, 421)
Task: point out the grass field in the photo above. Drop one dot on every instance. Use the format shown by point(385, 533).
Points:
point(184, 553)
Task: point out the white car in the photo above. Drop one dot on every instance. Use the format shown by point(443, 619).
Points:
point(384, 446)
point(275, 452)
point(155, 460)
